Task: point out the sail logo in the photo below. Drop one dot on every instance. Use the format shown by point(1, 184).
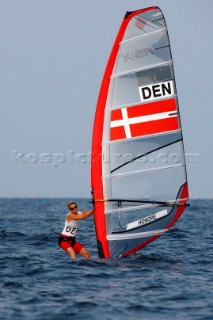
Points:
point(137, 54)
point(156, 91)
point(144, 120)
point(147, 220)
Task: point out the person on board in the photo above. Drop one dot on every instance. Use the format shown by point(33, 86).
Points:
point(67, 239)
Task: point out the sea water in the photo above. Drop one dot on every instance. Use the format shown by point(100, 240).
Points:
point(169, 279)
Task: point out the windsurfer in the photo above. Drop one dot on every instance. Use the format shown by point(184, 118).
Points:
point(67, 239)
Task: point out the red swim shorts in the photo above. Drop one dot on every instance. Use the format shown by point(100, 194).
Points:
point(77, 246)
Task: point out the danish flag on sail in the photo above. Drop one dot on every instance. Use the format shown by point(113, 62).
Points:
point(144, 119)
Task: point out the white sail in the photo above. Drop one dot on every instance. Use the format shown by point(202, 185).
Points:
point(138, 162)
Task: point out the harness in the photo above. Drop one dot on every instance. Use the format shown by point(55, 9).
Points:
point(71, 240)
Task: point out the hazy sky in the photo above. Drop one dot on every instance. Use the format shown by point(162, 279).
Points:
point(52, 58)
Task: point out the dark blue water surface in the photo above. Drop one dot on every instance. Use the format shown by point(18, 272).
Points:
point(169, 279)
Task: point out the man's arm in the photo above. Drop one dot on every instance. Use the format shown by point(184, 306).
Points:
point(83, 215)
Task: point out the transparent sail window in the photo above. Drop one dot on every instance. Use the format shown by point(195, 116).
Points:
point(122, 152)
point(162, 185)
point(124, 89)
point(167, 156)
point(122, 221)
point(143, 52)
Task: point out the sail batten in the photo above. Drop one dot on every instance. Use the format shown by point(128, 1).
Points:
point(129, 72)
point(135, 235)
point(138, 167)
point(152, 204)
point(143, 35)
point(141, 138)
point(143, 171)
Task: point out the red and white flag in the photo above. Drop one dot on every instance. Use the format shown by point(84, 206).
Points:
point(140, 23)
point(144, 119)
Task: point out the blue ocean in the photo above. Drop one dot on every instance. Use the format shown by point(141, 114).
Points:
point(169, 279)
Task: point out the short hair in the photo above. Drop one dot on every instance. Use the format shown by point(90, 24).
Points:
point(69, 204)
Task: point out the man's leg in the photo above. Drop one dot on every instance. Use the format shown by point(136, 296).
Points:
point(80, 249)
point(83, 252)
point(71, 252)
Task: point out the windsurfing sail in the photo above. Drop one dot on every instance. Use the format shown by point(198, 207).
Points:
point(138, 171)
